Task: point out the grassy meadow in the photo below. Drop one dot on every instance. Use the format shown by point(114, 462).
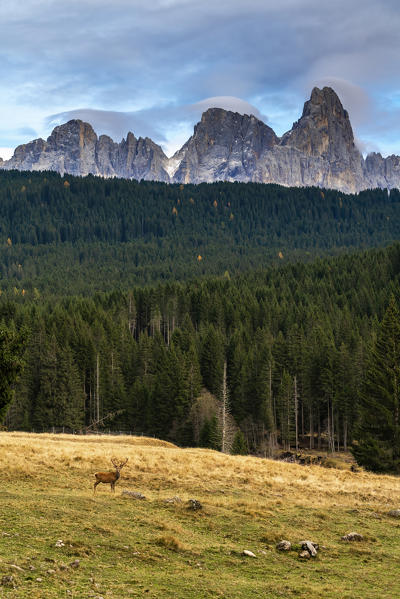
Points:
point(150, 548)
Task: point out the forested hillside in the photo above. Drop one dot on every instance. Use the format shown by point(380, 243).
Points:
point(296, 341)
point(79, 235)
point(170, 309)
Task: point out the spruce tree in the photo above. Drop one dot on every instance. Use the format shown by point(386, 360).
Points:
point(210, 436)
point(69, 408)
point(286, 410)
point(12, 345)
point(378, 446)
point(212, 359)
point(239, 446)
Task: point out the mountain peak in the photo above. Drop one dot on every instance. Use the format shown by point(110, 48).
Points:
point(326, 94)
point(224, 125)
point(325, 101)
point(74, 127)
point(324, 128)
point(225, 145)
point(214, 112)
point(72, 123)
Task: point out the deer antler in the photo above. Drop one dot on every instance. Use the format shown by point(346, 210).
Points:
point(117, 464)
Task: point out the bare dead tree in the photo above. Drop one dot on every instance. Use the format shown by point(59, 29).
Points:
point(93, 426)
point(225, 420)
point(296, 412)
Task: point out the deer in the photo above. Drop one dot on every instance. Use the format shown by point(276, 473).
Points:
point(109, 478)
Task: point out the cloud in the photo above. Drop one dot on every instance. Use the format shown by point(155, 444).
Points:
point(26, 132)
point(116, 124)
point(228, 103)
point(354, 99)
point(6, 153)
point(169, 126)
point(135, 63)
point(130, 54)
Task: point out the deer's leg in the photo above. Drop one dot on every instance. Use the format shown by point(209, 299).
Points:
point(95, 485)
point(113, 487)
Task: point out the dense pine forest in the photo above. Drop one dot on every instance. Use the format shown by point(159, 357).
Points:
point(296, 342)
point(73, 235)
point(185, 312)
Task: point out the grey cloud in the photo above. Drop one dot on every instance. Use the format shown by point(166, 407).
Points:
point(366, 146)
point(113, 123)
point(13, 137)
point(156, 123)
point(26, 131)
point(381, 133)
point(128, 50)
point(354, 99)
point(128, 58)
point(228, 103)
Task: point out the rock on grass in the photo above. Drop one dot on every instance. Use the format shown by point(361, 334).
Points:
point(353, 536)
point(310, 547)
point(284, 545)
point(394, 513)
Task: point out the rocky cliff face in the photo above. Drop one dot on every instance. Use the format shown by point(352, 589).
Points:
point(225, 146)
point(318, 150)
point(323, 137)
point(74, 148)
point(382, 172)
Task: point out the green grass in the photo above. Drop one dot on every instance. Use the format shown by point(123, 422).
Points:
point(132, 548)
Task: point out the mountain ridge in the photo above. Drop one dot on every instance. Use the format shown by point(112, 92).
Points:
point(318, 150)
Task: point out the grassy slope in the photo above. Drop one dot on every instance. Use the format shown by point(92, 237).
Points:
point(131, 548)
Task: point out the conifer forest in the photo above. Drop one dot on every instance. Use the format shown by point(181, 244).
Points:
point(225, 315)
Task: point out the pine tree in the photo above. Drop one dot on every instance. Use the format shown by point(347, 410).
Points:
point(69, 409)
point(212, 360)
point(210, 435)
point(239, 446)
point(237, 376)
point(286, 410)
point(45, 387)
point(378, 447)
point(12, 344)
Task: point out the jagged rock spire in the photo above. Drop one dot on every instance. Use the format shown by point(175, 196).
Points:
point(318, 150)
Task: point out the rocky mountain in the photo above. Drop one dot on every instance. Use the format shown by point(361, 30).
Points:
point(318, 150)
point(224, 146)
point(322, 145)
point(74, 148)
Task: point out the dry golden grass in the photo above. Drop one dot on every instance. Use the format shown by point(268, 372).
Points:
point(172, 543)
point(157, 466)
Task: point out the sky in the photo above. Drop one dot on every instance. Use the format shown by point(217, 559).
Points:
point(153, 66)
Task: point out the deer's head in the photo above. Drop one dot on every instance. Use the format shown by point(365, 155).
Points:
point(118, 465)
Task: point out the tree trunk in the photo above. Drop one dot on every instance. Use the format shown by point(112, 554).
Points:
point(338, 431)
point(345, 435)
point(224, 411)
point(329, 428)
point(272, 398)
point(97, 388)
point(296, 413)
point(311, 428)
